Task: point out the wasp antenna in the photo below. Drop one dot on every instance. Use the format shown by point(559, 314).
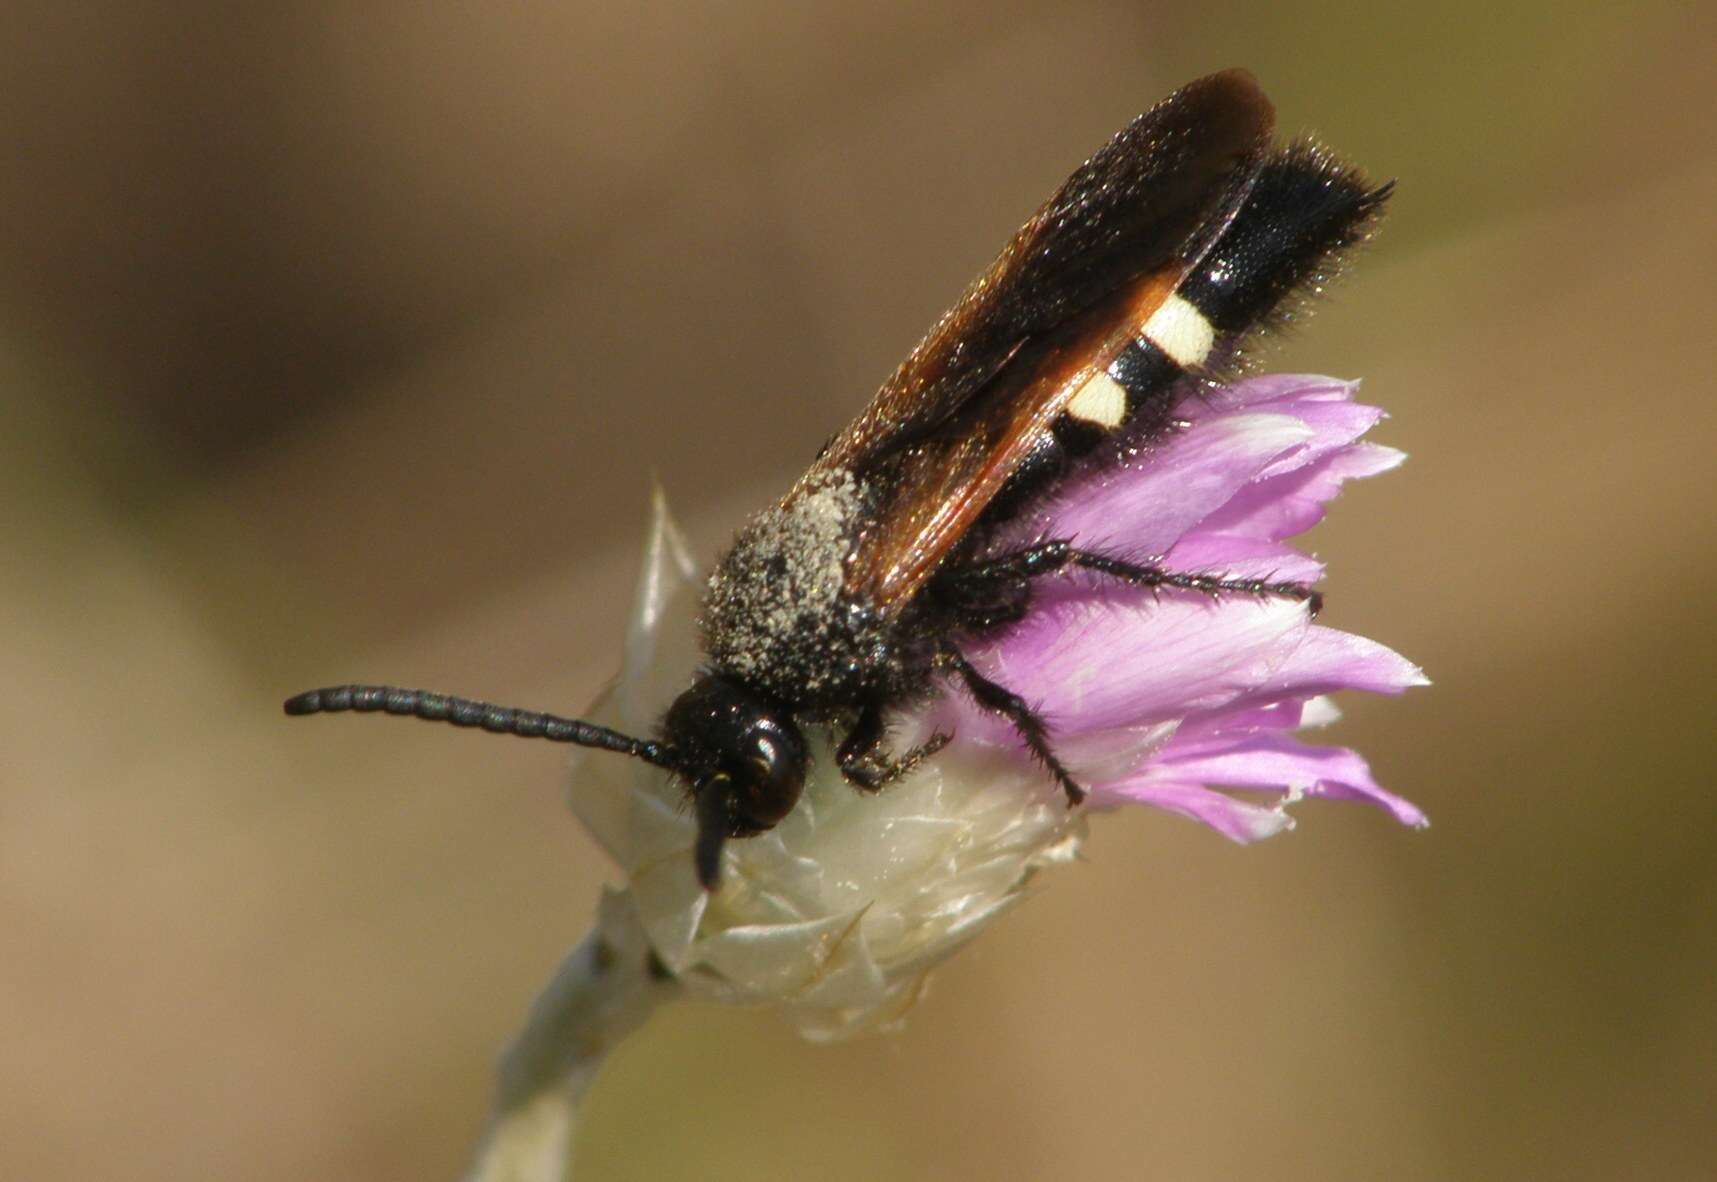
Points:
point(433, 707)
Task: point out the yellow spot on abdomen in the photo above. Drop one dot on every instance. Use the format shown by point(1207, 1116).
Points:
point(1100, 401)
point(1181, 331)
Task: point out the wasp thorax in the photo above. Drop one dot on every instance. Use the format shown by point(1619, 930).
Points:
point(776, 613)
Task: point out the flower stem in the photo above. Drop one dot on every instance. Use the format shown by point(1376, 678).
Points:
point(602, 991)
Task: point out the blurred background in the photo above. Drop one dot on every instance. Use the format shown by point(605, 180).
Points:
point(339, 341)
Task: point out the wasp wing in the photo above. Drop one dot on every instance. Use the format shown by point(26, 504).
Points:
point(935, 490)
point(1066, 295)
point(1155, 194)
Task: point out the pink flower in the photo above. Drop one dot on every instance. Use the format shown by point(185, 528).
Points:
point(1178, 700)
point(838, 913)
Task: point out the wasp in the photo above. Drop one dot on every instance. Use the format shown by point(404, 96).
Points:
point(1137, 283)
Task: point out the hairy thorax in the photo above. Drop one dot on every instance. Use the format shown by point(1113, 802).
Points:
point(777, 616)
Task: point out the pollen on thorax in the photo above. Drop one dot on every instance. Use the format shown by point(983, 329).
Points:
point(774, 612)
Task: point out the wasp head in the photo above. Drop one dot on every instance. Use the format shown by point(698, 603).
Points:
point(743, 756)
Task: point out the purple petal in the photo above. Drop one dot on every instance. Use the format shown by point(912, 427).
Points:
point(1102, 663)
point(1283, 763)
point(1335, 425)
point(1261, 391)
point(1239, 721)
point(1238, 820)
point(1291, 503)
point(1113, 661)
point(1145, 508)
point(1327, 660)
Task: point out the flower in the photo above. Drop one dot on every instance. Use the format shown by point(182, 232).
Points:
point(1179, 701)
point(1166, 702)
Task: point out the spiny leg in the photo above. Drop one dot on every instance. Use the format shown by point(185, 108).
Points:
point(1048, 557)
point(1001, 700)
point(861, 757)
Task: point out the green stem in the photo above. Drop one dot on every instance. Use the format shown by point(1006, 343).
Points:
point(603, 991)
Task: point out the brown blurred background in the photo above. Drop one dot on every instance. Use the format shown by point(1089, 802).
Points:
point(338, 341)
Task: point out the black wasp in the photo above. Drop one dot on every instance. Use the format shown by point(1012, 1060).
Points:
point(1134, 284)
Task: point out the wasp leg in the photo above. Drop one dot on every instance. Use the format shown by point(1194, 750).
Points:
point(862, 760)
point(1031, 728)
point(1049, 557)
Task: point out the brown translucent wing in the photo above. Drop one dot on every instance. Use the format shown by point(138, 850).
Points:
point(1153, 196)
point(935, 489)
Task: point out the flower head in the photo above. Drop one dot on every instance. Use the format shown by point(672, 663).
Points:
point(1178, 701)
